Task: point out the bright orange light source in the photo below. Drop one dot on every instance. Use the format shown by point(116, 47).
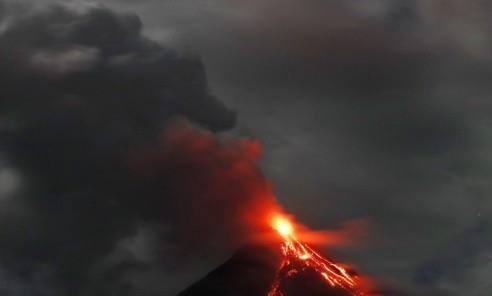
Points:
point(283, 226)
point(299, 257)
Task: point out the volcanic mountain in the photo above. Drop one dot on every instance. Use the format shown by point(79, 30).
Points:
point(252, 271)
point(291, 268)
point(249, 272)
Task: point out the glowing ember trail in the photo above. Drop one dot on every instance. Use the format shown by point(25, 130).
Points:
point(299, 257)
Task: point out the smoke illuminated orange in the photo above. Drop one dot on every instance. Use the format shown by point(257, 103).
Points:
point(298, 256)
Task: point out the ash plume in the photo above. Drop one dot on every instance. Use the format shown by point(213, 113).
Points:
point(106, 182)
point(215, 182)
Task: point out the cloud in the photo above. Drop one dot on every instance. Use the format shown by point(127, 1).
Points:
point(218, 183)
point(103, 55)
point(70, 60)
point(365, 108)
point(85, 99)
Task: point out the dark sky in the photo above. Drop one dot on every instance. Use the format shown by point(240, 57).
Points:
point(371, 109)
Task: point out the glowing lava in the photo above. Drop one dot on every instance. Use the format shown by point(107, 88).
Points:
point(283, 226)
point(299, 257)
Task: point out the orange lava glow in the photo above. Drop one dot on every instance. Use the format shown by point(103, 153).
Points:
point(283, 226)
point(298, 256)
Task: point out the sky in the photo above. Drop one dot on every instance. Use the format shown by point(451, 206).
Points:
point(369, 109)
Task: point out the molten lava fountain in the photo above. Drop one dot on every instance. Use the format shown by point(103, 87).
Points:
point(299, 257)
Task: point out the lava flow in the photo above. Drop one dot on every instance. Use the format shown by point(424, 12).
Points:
point(298, 257)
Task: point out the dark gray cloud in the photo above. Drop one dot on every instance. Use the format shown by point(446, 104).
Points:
point(366, 108)
point(369, 108)
point(98, 187)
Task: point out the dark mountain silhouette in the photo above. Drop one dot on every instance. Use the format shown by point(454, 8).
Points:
point(251, 272)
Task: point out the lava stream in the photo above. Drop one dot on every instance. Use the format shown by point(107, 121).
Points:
point(299, 257)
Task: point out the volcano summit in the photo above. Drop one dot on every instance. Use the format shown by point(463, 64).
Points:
point(293, 269)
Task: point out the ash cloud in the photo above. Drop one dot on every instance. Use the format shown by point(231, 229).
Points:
point(365, 108)
point(369, 108)
point(84, 95)
point(217, 183)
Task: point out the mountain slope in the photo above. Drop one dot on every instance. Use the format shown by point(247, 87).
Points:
point(251, 272)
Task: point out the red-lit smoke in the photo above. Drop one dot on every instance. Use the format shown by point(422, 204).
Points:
point(212, 189)
point(216, 195)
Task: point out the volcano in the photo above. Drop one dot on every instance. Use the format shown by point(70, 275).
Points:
point(249, 272)
point(291, 268)
point(254, 269)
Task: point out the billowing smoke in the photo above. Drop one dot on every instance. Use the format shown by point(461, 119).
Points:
point(86, 106)
point(216, 183)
